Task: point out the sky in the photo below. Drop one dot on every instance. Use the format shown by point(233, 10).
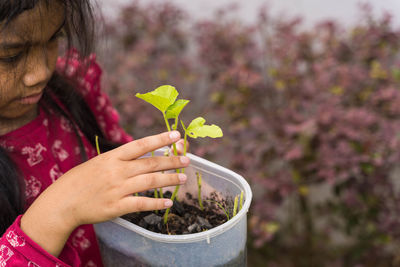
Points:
point(345, 11)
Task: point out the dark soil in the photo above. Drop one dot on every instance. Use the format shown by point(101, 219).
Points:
point(183, 218)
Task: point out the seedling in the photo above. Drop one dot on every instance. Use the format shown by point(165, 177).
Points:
point(241, 200)
point(237, 203)
point(235, 206)
point(195, 129)
point(198, 175)
point(221, 207)
point(164, 99)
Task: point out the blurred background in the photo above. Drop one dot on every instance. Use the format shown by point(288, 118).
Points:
point(307, 93)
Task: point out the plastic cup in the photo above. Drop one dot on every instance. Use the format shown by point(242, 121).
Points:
point(125, 244)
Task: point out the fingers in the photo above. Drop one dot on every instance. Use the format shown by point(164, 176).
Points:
point(137, 148)
point(155, 164)
point(180, 147)
point(145, 182)
point(133, 204)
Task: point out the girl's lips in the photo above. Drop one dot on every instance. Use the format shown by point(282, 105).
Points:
point(32, 99)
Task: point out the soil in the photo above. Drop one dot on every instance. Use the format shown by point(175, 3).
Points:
point(184, 217)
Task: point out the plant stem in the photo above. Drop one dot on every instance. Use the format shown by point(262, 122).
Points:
point(177, 187)
point(176, 123)
point(185, 144)
point(169, 129)
point(199, 191)
point(97, 145)
point(156, 196)
point(241, 201)
point(166, 122)
point(161, 193)
point(235, 206)
point(221, 207)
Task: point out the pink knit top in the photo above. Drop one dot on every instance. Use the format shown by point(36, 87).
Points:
point(43, 150)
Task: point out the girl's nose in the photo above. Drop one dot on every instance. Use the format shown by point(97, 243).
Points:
point(37, 71)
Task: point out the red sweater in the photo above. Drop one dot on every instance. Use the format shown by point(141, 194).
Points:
point(43, 150)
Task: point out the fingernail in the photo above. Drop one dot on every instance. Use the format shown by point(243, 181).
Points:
point(168, 203)
point(182, 177)
point(184, 160)
point(174, 135)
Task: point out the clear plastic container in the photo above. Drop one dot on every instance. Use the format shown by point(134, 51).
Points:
point(125, 244)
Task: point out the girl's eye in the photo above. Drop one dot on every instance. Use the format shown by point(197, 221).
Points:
point(11, 59)
point(58, 35)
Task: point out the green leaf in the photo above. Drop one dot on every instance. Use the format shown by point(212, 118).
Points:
point(197, 129)
point(162, 97)
point(175, 109)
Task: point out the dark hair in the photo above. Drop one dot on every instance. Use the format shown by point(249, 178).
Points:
point(79, 29)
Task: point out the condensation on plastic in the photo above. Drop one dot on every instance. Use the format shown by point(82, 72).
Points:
point(125, 244)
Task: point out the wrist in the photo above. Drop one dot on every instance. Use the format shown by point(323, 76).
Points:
point(46, 226)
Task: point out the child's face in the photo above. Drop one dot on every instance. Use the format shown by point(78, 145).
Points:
point(28, 54)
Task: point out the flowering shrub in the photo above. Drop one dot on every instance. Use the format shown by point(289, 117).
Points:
point(310, 118)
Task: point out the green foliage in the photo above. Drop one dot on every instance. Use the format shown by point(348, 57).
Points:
point(175, 109)
point(197, 129)
point(162, 97)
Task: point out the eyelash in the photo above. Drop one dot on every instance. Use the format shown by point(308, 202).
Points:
point(11, 60)
point(15, 58)
point(58, 35)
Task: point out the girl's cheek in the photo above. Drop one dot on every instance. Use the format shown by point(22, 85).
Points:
point(8, 83)
point(7, 92)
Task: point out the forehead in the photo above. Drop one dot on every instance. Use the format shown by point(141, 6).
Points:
point(35, 24)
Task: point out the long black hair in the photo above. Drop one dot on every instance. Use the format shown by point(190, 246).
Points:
point(80, 33)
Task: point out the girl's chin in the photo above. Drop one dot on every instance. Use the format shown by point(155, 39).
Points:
point(19, 115)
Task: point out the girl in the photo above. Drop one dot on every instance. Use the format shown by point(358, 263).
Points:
point(50, 111)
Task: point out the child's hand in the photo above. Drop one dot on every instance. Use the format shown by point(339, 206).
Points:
point(102, 188)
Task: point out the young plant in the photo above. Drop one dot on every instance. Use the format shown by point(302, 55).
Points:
point(237, 204)
point(198, 175)
point(195, 129)
point(221, 207)
point(241, 201)
point(164, 99)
